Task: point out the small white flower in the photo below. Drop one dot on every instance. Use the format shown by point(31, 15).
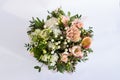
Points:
point(58, 47)
point(53, 59)
point(45, 26)
point(66, 28)
point(52, 63)
point(66, 50)
point(65, 42)
point(61, 37)
point(56, 43)
point(68, 40)
point(45, 57)
point(59, 42)
point(52, 40)
point(56, 23)
point(56, 36)
point(52, 52)
point(53, 47)
point(67, 45)
point(66, 53)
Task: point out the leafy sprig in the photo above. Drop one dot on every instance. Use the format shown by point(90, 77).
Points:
point(35, 24)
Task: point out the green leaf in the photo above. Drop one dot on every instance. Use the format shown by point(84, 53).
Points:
point(84, 59)
point(61, 67)
point(48, 17)
point(38, 68)
point(36, 23)
point(51, 67)
point(69, 13)
point(75, 16)
point(28, 46)
point(89, 50)
point(57, 13)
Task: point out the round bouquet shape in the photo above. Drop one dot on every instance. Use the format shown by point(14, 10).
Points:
point(59, 42)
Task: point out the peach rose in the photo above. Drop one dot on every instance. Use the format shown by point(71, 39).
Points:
point(86, 42)
point(77, 23)
point(73, 34)
point(64, 57)
point(65, 20)
point(76, 51)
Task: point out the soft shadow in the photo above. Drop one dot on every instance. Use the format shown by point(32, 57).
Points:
point(13, 33)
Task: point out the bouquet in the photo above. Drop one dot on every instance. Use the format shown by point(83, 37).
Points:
point(59, 42)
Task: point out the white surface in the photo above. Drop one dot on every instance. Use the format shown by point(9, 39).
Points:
point(17, 64)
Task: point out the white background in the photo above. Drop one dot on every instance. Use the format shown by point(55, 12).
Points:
point(17, 64)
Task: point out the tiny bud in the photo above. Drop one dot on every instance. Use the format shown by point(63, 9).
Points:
point(52, 40)
point(61, 37)
point(56, 36)
point(58, 47)
point(59, 42)
point(66, 28)
point(67, 45)
point(66, 50)
point(65, 42)
point(53, 47)
point(52, 52)
point(56, 23)
point(56, 43)
point(68, 41)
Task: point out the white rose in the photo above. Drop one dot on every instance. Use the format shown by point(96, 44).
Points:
point(56, 30)
point(53, 59)
point(51, 45)
point(49, 23)
point(45, 57)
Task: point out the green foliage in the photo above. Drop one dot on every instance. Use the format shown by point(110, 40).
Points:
point(28, 46)
point(85, 33)
point(75, 16)
point(35, 24)
point(51, 67)
point(56, 13)
point(72, 18)
point(38, 68)
point(69, 14)
point(61, 67)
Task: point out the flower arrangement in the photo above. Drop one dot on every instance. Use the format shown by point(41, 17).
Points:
point(60, 42)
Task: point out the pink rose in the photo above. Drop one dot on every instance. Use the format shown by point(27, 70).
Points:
point(64, 57)
point(77, 23)
point(65, 20)
point(76, 51)
point(73, 34)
